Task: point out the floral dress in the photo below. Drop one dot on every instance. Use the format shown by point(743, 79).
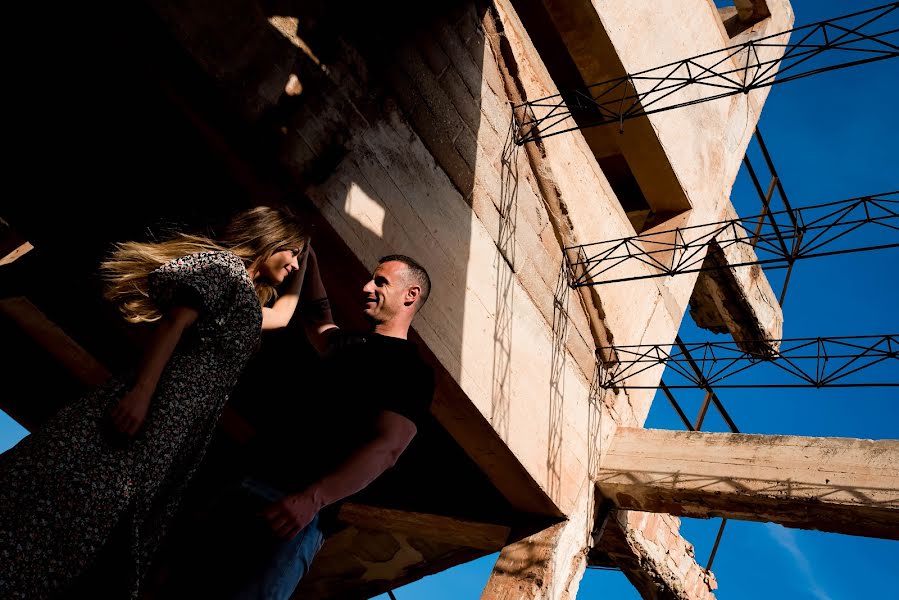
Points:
point(64, 489)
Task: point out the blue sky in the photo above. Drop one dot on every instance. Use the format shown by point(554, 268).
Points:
point(832, 136)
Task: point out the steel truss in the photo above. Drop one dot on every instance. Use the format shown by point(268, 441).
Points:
point(766, 196)
point(778, 238)
point(854, 39)
point(806, 362)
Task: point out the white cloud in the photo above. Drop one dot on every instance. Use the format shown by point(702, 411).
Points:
point(787, 540)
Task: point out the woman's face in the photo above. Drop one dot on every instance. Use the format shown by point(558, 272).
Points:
point(280, 264)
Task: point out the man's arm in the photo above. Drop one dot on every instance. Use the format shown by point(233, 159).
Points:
point(315, 309)
point(292, 513)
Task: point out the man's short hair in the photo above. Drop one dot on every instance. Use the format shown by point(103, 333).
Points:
point(417, 274)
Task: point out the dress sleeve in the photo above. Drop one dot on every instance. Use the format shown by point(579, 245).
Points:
point(205, 281)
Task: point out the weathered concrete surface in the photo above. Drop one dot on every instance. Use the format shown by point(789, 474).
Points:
point(650, 551)
point(746, 18)
point(830, 484)
point(610, 38)
point(547, 565)
point(16, 253)
point(596, 59)
point(380, 549)
point(737, 299)
point(363, 563)
point(457, 532)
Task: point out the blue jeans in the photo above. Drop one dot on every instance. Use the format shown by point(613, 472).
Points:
point(284, 563)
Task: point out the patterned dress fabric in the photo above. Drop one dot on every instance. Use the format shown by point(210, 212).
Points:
point(65, 488)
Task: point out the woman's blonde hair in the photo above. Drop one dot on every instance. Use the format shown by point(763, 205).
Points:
point(253, 235)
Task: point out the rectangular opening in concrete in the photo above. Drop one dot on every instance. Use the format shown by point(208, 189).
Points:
point(626, 188)
point(739, 15)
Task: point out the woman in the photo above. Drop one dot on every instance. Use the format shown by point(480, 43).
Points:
point(118, 459)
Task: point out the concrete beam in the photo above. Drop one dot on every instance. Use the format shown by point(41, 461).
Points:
point(448, 530)
point(77, 361)
point(16, 253)
point(831, 484)
point(28, 333)
point(12, 245)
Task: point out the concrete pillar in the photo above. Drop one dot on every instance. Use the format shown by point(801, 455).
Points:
point(547, 565)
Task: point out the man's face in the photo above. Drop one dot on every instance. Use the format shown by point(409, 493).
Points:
point(384, 295)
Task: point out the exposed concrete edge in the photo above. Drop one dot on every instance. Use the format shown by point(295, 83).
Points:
point(554, 204)
point(480, 536)
point(651, 553)
point(547, 565)
point(737, 299)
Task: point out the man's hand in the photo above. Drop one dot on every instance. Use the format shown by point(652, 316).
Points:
point(129, 414)
point(292, 513)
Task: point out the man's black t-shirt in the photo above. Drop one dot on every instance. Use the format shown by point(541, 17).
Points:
point(360, 376)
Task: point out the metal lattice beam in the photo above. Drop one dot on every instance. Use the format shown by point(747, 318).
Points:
point(766, 196)
point(854, 39)
point(799, 362)
point(778, 238)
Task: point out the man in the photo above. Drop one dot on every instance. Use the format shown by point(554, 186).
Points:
point(373, 392)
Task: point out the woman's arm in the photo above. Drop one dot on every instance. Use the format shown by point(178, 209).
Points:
point(129, 414)
point(316, 309)
point(282, 310)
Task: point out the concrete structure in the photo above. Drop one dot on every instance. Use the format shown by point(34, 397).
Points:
point(829, 484)
point(389, 128)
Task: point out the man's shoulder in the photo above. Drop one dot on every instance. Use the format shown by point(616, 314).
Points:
point(378, 351)
point(410, 354)
point(340, 339)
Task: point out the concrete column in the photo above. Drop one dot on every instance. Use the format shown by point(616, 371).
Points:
point(547, 565)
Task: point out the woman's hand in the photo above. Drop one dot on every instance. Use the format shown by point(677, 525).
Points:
point(131, 411)
point(129, 414)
